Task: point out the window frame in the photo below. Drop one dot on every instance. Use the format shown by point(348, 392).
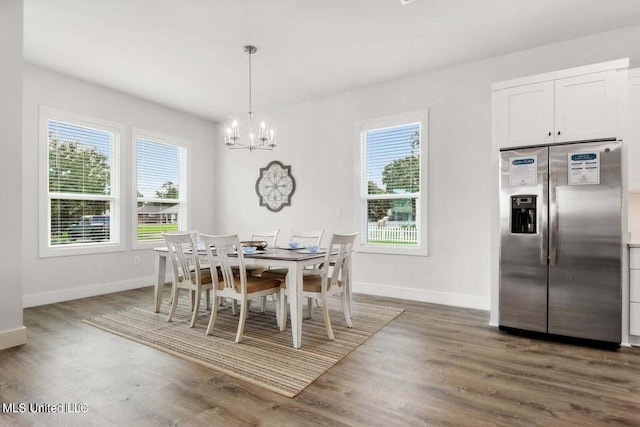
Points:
point(400, 119)
point(117, 243)
point(183, 195)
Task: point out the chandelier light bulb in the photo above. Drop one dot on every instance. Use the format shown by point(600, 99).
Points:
point(272, 139)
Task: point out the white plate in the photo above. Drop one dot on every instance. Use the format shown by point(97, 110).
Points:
point(307, 251)
point(290, 248)
point(253, 253)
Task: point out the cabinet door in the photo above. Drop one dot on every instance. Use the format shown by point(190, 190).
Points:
point(585, 107)
point(526, 115)
point(634, 318)
point(632, 140)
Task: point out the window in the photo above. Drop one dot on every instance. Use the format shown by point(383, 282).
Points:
point(80, 194)
point(161, 186)
point(393, 184)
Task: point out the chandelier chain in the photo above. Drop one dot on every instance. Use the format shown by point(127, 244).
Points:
point(250, 52)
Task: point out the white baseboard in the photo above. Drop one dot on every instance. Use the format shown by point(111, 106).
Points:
point(445, 298)
point(84, 291)
point(13, 337)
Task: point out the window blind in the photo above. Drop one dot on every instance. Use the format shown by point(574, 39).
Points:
point(393, 164)
point(159, 184)
point(81, 194)
point(391, 184)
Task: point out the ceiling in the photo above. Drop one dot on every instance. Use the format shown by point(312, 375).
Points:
point(188, 54)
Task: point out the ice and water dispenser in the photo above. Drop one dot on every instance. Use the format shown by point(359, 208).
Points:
point(523, 214)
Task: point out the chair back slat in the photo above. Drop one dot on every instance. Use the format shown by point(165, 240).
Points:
point(307, 238)
point(183, 256)
point(268, 236)
point(224, 247)
point(344, 244)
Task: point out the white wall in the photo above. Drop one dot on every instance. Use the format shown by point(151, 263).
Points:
point(49, 280)
point(12, 331)
point(317, 138)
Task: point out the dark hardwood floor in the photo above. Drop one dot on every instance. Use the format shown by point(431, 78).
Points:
point(433, 365)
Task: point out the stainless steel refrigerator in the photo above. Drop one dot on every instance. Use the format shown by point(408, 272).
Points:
point(561, 240)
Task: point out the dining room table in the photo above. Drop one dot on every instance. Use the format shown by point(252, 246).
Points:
point(295, 260)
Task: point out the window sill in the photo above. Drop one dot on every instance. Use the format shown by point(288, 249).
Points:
point(80, 249)
point(392, 250)
point(148, 244)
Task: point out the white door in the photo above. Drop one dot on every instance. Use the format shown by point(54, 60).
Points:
point(526, 115)
point(585, 107)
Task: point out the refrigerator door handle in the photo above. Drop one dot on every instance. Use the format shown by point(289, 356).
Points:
point(544, 248)
point(553, 220)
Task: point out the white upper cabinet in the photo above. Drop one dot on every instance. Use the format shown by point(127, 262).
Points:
point(586, 107)
point(526, 115)
point(577, 104)
point(633, 138)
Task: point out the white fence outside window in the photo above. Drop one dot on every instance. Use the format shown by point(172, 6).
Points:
point(392, 234)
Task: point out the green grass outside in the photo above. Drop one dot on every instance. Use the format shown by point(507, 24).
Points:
point(154, 231)
point(145, 232)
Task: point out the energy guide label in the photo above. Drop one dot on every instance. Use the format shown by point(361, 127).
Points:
point(523, 171)
point(584, 168)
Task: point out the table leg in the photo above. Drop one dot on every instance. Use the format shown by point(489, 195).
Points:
point(158, 287)
point(294, 288)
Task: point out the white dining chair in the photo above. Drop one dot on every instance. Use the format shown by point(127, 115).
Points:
point(235, 283)
point(328, 280)
point(304, 239)
point(188, 272)
point(271, 237)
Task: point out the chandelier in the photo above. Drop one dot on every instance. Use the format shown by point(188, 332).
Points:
point(264, 139)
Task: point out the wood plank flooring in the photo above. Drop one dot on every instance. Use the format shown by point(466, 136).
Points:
point(433, 365)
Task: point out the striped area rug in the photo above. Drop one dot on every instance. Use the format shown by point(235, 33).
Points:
point(265, 355)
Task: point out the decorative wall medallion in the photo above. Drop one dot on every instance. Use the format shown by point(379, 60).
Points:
point(275, 186)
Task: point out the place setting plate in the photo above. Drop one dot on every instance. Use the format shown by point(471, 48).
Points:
point(256, 252)
point(307, 251)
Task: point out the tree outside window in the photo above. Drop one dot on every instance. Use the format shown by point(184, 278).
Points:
point(80, 183)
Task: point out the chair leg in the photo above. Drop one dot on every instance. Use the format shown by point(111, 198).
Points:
point(208, 299)
point(194, 316)
point(349, 292)
point(263, 304)
point(243, 318)
point(234, 307)
point(174, 303)
point(325, 315)
point(278, 316)
point(310, 307)
point(347, 309)
point(283, 310)
point(212, 319)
